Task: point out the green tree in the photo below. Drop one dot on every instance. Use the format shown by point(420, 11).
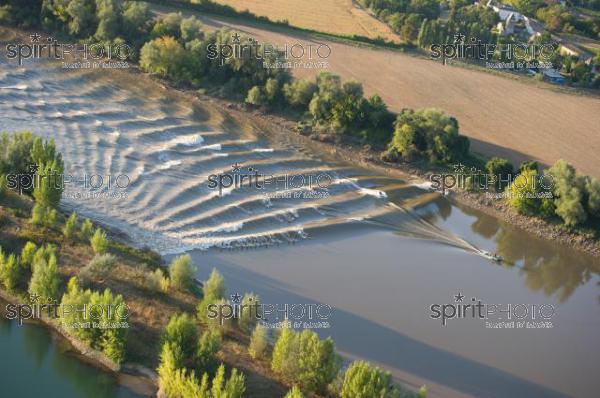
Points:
point(299, 92)
point(70, 227)
point(256, 96)
point(568, 191)
point(191, 29)
point(305, 359)
point(501, 170)
point(182, 332)
point(592, 189)
point(27, 254)
point(259, 342)
point(99, 241)
point(108, 13)
point(87, 229)
point(208, 346)
point(214, 286)
point(363, 380)
point(181, 272)
point(295, 393)
point(83, 19)
point(166, 57)
point(10, 270)
point(45, 278)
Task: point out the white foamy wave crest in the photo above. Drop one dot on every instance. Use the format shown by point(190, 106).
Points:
point(98, 122)
point(16, 87)
point(263, 150)
point(213, 147)
point(423, 185)
point(373, 192)
point(168, 164)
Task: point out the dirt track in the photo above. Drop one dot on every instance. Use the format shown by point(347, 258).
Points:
point(503, 117)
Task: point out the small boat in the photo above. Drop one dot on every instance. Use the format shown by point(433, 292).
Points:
point(491, 256)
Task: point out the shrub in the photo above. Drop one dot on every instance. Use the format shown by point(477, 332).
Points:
point(99, 242)
point(299, 92)
point(522, 193)
point(363, 380)
point(110, 340)
point(70, 227)
point(305, 359)
point(501, 170)
point(429, 133)
point(166, 57)
point(592, 189)
point(208, 346)
point(181, 272)
point(568, 192)
point(99, 267)
point(232, 388)
point(87, 229)
point(44, 278)
point(295, 393)
point(249, 312)
point(27, 254)
point(256, 96)
point(214, 286)
point(43, 216)
point(9, 270)
point(182, 331)
point(259, 342)
point(156, 281)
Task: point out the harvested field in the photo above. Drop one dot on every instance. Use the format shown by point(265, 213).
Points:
point(331, 16)
point(514, 118)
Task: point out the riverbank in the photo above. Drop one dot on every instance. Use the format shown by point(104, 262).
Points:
point(149, 310)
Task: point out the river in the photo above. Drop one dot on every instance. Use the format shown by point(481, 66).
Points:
point(380, 251)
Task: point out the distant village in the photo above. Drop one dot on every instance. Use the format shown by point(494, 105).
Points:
point(513, 23)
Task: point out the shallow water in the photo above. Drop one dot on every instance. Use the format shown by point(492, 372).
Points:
point(36, 363)
point(379, 250)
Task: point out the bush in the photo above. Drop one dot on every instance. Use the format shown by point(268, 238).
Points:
point(175, 381)
point(299, 92)
point(165, 57)
point(70, 227)
point(156, 281)
point(99, 242)
point(295, 393)
point(208, 346)
point(181, 272)
point(259, 342)
point(182, 331)
point(568, 193)
point(501, 170)
point(429, 133)
point(43, 216)
point(99, 267)
point(110, 340)
point(45, 278)
point(27, 254)
point(10, 270)
point(256, 97)
point(363, 380)
point(592, 189)
point(87, 229)
point(523, 191)
point(305, 359)
point(214, 286)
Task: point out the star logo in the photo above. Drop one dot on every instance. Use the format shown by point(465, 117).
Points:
point(458, 298)
point(236, 298)
point(459, 38)
point(33, 168)
point(236, 167)
point(236, 38)
point(35, 38)
point(459, 168)
point(34, 297)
